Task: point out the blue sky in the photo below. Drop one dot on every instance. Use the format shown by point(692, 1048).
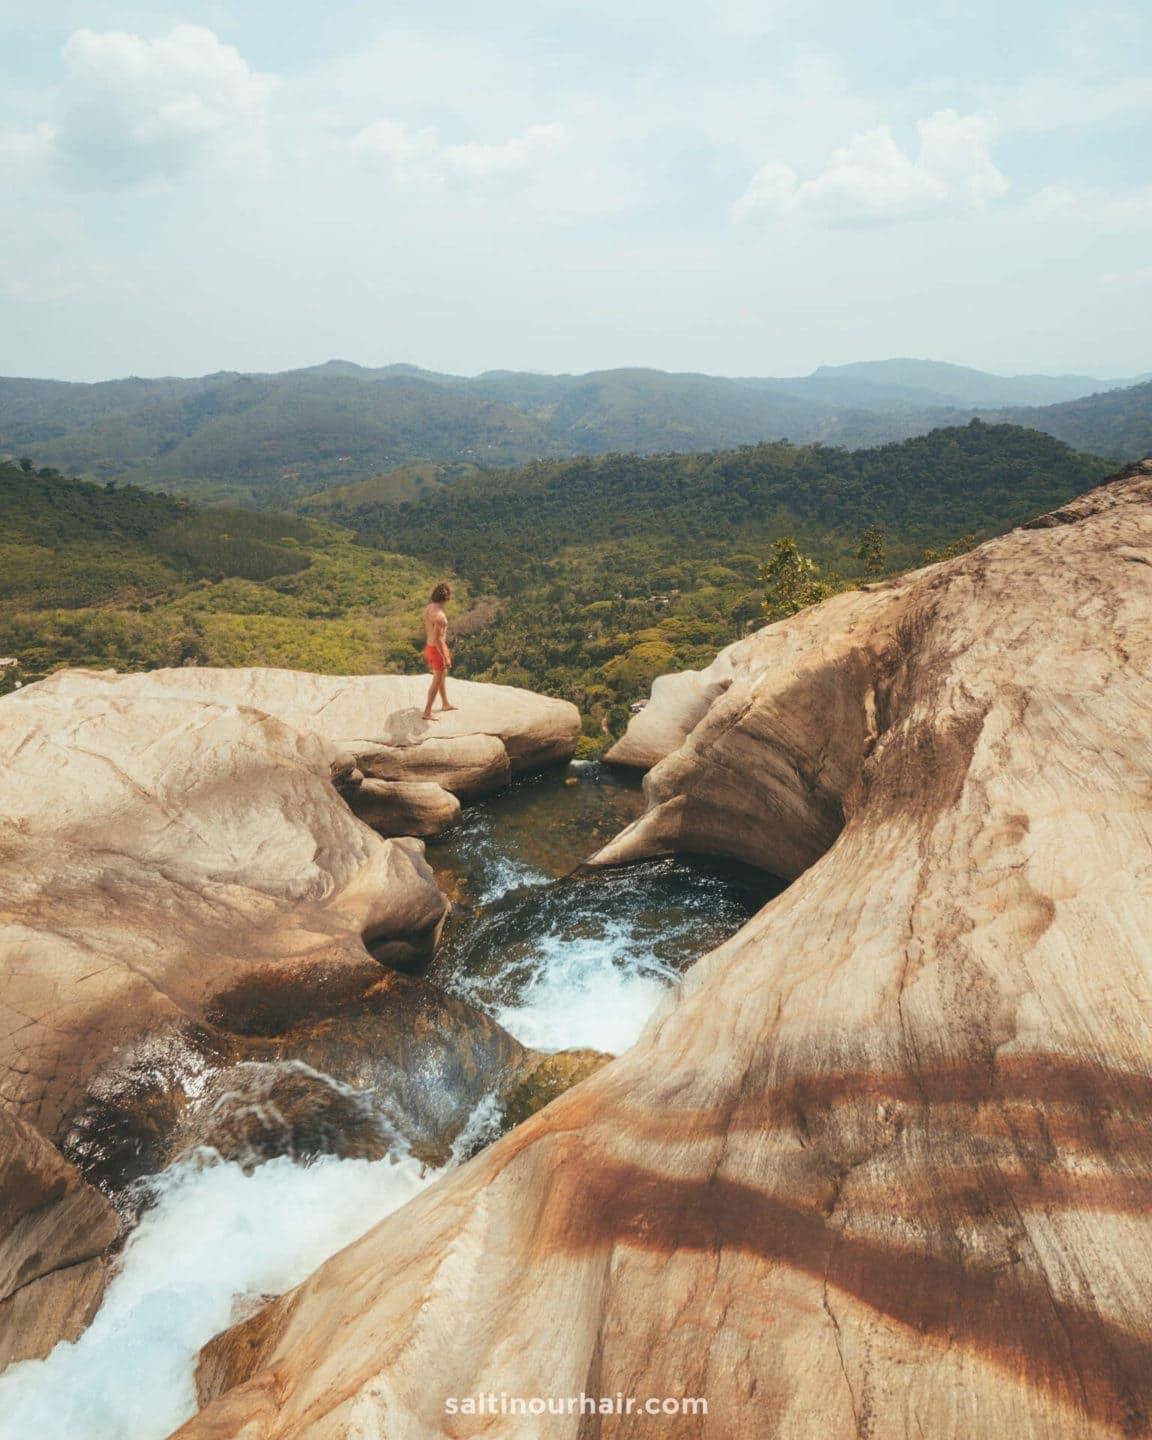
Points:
point(737, 187)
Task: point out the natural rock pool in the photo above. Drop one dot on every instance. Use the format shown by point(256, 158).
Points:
point(560, 960)
point(564, 960)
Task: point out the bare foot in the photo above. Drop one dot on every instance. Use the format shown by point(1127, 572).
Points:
point(448, 707)
point(430, 717)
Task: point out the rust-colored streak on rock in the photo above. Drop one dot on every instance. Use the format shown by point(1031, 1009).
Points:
point(877, 1170)
point(1016, 1324)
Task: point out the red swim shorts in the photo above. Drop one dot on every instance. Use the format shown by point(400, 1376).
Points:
point(434, 657)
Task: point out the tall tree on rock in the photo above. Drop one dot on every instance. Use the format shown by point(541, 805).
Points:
point(792, 580)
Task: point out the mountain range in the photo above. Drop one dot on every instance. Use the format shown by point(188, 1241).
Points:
point(276, 438)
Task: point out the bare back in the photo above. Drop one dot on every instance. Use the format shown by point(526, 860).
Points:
point(435, 624)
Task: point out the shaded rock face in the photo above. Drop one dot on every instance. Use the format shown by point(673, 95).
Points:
point(883, 1165)
point(54, 1230)
point(402, 807)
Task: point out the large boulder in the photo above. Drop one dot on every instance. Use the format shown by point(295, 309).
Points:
point(762, 771)
point(375, 722)
point(883, 1165)
point(173, 861)
point(54, 1233)
point(185, 890)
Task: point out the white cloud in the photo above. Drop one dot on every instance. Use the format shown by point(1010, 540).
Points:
point(1053, 201)
point(1138, 278)
point(134, 110)
point(873, 178)
point(417, 159)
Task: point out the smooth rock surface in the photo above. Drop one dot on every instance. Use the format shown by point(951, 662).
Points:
point(398, 807)
point(173, 860)
point(761, 774)
point(882, 1167)
point(54, 1231)
point(496, 732)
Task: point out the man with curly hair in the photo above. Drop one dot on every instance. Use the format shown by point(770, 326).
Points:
point(436, 650)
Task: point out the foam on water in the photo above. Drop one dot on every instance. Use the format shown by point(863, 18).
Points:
point(584, 962)
point(559, 963)
point(214, 1235)
point(593, 992)
point(501, 875)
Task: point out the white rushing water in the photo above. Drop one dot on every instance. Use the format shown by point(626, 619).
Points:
point(557, 966)
point(214, 1235)
point(593, 992)
point(585, 991)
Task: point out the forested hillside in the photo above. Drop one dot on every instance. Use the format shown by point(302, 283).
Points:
point(268, 440)
point(124, 577)
point(976, 477)
point(584, 578)
point(606, 572)
point(1117, 423)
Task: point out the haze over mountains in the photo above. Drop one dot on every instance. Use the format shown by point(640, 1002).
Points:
point(274, 438)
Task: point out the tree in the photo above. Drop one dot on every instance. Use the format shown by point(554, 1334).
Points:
point(871, 550)
point(791, 579)
point(951, 550)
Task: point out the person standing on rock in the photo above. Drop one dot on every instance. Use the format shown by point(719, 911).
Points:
point(436, 650)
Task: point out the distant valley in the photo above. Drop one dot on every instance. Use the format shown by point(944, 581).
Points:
point(583, 577)
point(396, 432)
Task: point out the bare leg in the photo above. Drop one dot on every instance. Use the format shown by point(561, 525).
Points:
point(437, 676)
point(444, 705)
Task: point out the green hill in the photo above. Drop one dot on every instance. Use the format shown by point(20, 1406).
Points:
point(611, 570)
point(589, 576)
point(933, 383)
point(1117, 423)
point(272, 440)
point(976, 477)
point(125, 577)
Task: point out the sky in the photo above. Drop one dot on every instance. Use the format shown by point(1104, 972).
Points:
point(740, 187)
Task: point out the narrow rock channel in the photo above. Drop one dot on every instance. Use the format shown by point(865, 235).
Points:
point(278, 1165)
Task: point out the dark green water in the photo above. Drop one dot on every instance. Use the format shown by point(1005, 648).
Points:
point(575, 960)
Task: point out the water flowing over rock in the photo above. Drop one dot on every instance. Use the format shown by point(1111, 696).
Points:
point(257, 1110)
point(183, 885)
point(883, 1165)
